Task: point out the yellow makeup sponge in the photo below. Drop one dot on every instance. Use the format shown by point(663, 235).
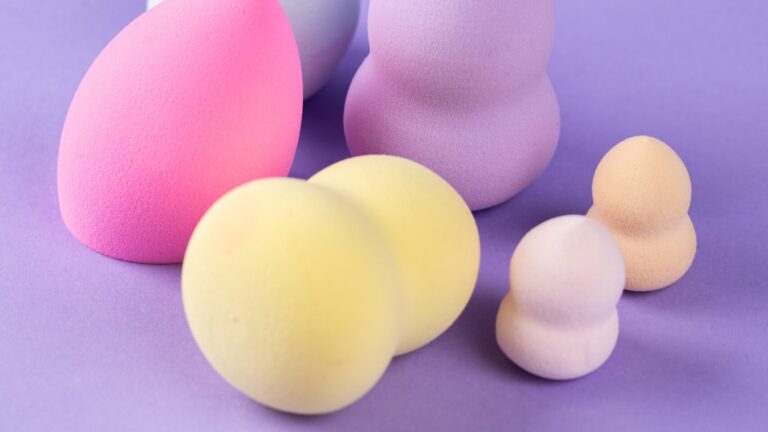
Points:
point(641, 193)
point(300, 293)
point(430, 229)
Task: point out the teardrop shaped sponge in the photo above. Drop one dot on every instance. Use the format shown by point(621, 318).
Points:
point(188, 101)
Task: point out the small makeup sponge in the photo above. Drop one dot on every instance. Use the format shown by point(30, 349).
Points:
point(461, 89)
point(300, 293)
point(641, 193)
point(190, 100)
point(559, 319)
point(323, 29)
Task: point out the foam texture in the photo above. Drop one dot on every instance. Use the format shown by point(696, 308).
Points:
point(641, 193)
point(190, 100)
point(324, 30)
point(461, 89)
point(430, 230)
point(559, 319)
point(300, 293)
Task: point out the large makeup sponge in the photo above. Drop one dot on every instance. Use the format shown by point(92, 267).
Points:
point(300, 293)
point(187, 102)
point(460, 89)
point(323, 29)
point(642, 192)
point(559, 320)
point(431, 231)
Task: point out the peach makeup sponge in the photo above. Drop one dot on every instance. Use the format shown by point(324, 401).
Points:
point(300, 293)
point(641, 193)
point(461, 89)
point(559, 320)
point(323, 29)
point(187, 102)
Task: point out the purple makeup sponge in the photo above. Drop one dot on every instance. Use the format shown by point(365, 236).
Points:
point(460, 88)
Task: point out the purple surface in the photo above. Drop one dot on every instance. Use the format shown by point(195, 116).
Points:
point(89, 343)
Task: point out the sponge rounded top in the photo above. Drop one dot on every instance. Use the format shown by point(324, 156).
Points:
point(568, 270)
point(323, 30)
point(641, 184)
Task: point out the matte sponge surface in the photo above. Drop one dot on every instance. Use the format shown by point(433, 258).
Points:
point(190, 100)
point(291, 295)
point(559, 320)
point(300, 293)
point(430, 230)
point(461, 89)
point(323, 29)
point(641, 193)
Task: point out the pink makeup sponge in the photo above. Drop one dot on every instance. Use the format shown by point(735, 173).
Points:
point(559, 320)
point(642, 192)
point(187, 102)
point(461, 89)
point(323, 29)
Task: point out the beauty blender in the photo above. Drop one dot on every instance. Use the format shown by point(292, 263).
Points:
point(187, 102)
point(460, 89)
point(323, 29)
point(300, 293)
point(641, 193)
point(559, 319)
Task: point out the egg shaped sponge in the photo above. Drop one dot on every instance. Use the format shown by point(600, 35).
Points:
point(300, 293)
point(292, 295)
point(641, 193)
point(430, 229)
point(323, 29)
point(559, 319)
point(188, 101)
point(461, 89)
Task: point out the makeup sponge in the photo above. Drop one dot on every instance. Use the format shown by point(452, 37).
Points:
point(323, 29)
point(559, 319)
point(641, 193)
point(461, 89)
point(300, 293)
point(187, 102)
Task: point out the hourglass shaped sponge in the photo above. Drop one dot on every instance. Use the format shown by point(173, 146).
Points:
point(190, 100)
point(300, 293)
point(559, 319)
point(460, 88)
point(642, 192)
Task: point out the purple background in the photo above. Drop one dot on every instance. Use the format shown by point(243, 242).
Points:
point(89, 343)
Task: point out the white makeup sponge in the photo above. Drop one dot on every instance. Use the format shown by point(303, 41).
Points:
point(323, 29)
point(559, 320)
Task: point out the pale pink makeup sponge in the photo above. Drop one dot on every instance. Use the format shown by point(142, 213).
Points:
point(191, 99)
point(460, 88)
point(642, 193)
point(559, 320)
